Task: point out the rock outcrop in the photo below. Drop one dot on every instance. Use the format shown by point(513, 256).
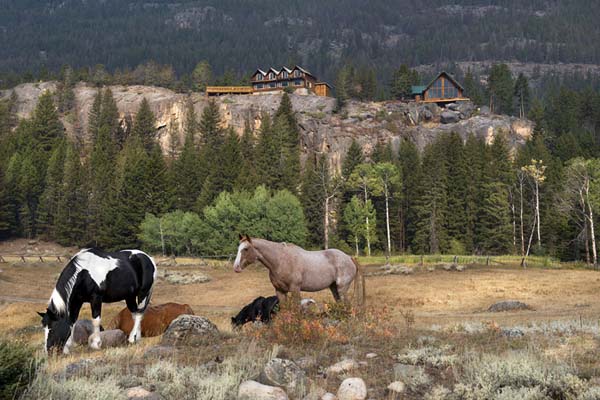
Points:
point(322, 130)
point(190, 330)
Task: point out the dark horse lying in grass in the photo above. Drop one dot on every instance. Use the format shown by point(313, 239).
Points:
point(94, 276)
point(293, 269)
point(261, 309)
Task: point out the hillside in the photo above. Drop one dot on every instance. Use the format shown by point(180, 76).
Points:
point(244, 35)
point(322, 130)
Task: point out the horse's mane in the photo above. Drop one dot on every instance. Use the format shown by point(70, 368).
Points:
point(61, 295)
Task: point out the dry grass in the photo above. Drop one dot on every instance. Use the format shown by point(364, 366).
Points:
point(437, 321)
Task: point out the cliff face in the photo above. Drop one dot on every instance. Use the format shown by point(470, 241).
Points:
point(322, 130)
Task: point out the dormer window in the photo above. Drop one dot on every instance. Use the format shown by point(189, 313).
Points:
point(272, 75)
point(285, 74)
point(259, 77)
point(297, 73)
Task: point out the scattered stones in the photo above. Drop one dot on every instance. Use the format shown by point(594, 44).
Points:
point(79, 368)
point(190, 330)
point(139, 393)
point(453, 267)
point(508, 305)
point(397, 387)
point(393, 270)
point(111, 338)
point(283, 373)
point(252, 390)
point(342, 366)
point(427, 115)
point(352, 389)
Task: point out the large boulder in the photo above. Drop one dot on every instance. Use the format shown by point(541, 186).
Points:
point(508, 305)
point(449, 117)
point(252, 390)
point(352, 389)
point(190, 330)
point(283, 373)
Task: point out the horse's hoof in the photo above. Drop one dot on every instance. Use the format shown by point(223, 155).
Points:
point(95, 342)
point(66, 350)
point(133, 339)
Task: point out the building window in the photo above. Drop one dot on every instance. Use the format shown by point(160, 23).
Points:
point(272, 85)
point(297, 82)
point(259, 77)
point(259, 86)
point(285, 74)
point(297, 73)
point(285, 84)
point(272, 75)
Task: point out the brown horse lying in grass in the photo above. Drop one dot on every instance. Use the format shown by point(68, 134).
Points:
point(293, 269)
point(156, 318)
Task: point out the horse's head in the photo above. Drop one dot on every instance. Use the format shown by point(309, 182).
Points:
point(57, 330)
point(246, 254)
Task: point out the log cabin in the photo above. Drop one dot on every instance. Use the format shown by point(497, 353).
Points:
point(294, 78)
point(442, 89)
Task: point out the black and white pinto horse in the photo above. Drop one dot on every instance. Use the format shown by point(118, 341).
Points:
point(94, 276)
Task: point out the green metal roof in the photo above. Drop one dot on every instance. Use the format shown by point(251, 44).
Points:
point(418, 89)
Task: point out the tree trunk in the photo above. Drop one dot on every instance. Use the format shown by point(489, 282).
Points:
point(537, 212)
point(326, 223)
point(521, 217)
point(591, 221)
point(356, 244)
point(514, 220)
point(368, 236)
point(162, 238)
point(524, 259)
point(387, 222)
point(585, 227)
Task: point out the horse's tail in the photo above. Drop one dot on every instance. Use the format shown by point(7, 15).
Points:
point(360, 290)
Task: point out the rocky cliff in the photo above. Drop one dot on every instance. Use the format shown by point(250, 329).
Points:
point(322, 129)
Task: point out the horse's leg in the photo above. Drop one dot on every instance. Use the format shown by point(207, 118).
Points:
point(96, 305)
point(334, 291)
point(281, 295)
point(74, 309)
point(137, 313)
point(342, 292)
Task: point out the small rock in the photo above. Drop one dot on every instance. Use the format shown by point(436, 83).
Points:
point(460, 268)
point(111, 338)
point(252, 390)
point(328, 396)
point(371, 355)
point(363, 364)
point(315, 394)
point(452, 106)
point(397, 387)
point(342, 366)
point(139, 393)
point(190, 330)
point(283, 373)
point(508, 305)
point(427, 115)
point(410, 373)
point(352, 389)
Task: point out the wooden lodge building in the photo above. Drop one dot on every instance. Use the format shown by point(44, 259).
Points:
point(295, 78)
point(443, 89)
point(276, 80)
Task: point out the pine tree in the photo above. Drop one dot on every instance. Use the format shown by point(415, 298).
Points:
point(287, 135)
point(248, 176)
point(522, 95)
point(50, 199)
point(432, 204)
point(402, 81)
point(94, 116)
point(211, 156)
point(354, 157)
point(266, 152)
point(6, 217)
point(473, 89)
point(457, 182)
point(158, 191)
point(109, 118)
point(312, 202)
point(475, 161)
point(46, 127)
point(501, 89)
point(231, 155)
point(72, 207)
point(410, 167)
point(187, 174)
point(144, 125)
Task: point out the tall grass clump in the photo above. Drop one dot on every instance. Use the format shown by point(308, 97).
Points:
point(18, 366)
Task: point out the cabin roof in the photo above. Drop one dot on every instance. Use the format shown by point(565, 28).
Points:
point(422, 88)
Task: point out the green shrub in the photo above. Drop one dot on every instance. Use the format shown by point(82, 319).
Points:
point(18, 367)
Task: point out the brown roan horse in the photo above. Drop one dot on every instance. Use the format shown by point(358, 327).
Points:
point(293, 269)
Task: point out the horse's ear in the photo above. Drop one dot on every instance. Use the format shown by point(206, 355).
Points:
point(248, 239)
point(41, 314)
point(241, 236)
